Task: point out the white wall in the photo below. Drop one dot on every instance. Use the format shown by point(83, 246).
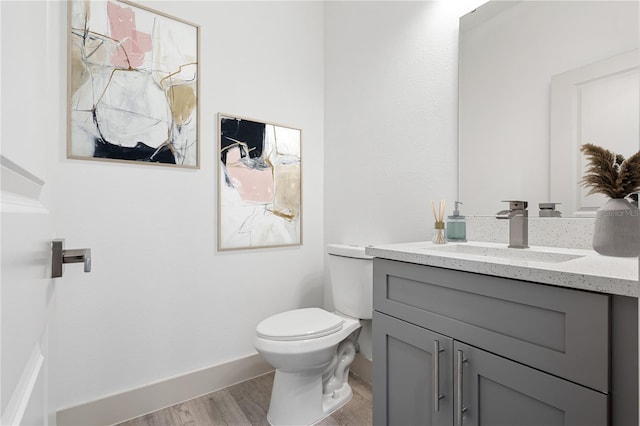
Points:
point(390, 119)
point(161, 301)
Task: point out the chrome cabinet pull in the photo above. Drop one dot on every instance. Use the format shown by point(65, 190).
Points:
point(437, 396)
point(460, 409)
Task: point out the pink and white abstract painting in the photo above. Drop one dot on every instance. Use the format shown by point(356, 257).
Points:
point(259, 194)
point(133, 84)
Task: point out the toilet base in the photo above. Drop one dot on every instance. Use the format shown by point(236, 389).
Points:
point(336, 400)
point(294, 399)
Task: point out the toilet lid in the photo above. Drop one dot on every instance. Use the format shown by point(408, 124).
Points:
point(299, 324)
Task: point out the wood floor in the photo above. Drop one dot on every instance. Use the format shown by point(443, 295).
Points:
point(247, 404)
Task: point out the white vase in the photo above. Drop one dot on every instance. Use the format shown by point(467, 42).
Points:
point(617, 229)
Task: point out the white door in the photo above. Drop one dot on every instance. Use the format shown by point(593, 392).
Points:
point(32, 110)
point(597, 103)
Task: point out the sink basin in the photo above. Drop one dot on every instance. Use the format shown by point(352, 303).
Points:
point(506, 253)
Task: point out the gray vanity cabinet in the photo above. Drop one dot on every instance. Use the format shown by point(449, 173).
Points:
point(482, 388)
point(509, 352)
point(498, 392)
point(415, 373)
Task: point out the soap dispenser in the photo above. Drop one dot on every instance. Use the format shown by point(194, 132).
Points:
point(456, 226)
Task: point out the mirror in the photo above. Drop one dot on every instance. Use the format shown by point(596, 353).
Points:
point(511, 56)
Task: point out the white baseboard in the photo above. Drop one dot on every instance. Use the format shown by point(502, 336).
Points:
point(137, 402)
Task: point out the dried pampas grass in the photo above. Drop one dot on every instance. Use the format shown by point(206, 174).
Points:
point(610, 174)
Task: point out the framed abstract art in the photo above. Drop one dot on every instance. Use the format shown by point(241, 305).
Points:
point(260, 184)
point(133, 85)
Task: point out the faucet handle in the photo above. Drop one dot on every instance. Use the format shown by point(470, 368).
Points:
point(516, 204)
point(549, 210)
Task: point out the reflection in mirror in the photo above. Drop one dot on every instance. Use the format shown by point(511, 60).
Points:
point(595, 102)
point(510, 52)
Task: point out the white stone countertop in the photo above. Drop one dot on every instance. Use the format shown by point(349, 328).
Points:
point(573, 268)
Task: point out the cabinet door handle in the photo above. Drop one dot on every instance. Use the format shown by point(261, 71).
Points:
point(437, 396)
point(460, 409)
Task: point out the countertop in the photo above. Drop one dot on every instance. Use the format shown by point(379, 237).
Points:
point(587, 271)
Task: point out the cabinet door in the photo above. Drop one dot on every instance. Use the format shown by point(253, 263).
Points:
point(499, 392)
point(412, 380)
point(559, 330)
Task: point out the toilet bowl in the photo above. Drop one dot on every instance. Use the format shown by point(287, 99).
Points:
point(312, 349)
point(308, 367)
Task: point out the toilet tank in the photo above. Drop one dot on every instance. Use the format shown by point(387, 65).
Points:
point(351, 275)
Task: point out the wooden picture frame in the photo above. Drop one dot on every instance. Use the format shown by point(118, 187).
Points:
point(133, 85)
point(259, 184)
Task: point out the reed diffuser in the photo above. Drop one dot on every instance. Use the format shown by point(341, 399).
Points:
point(439, 236)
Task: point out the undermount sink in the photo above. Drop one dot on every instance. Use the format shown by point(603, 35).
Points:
point(506, 253)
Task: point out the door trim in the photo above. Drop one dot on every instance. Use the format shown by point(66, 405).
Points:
point(23, 391)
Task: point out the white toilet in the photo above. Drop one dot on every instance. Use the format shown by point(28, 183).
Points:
point(312, 349)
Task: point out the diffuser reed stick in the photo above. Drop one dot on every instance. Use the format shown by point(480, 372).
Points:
point(438, 231)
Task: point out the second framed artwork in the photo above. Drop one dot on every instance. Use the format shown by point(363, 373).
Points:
point(260, 184)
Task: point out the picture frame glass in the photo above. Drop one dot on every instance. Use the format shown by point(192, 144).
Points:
point(260, 184)
point(133, 85)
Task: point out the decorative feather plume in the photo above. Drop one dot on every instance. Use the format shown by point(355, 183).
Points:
point(610, 174)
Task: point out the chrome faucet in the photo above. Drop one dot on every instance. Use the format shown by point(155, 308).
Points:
point(518, 223)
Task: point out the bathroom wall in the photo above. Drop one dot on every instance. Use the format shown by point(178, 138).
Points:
point(390, 120)
point(161, 301)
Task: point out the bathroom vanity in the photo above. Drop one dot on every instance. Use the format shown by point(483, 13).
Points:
point(475, 333)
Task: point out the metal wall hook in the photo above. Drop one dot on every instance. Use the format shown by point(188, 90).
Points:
point(61, 256)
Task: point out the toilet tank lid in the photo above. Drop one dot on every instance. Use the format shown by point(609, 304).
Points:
point(346, 250)
point(299, 324)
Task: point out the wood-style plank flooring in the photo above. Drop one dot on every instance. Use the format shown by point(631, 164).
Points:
point(247, 404)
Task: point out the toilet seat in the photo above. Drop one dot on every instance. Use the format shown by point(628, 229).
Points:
point(300, 324)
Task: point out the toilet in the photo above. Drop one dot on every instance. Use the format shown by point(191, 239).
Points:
point(312, 349)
